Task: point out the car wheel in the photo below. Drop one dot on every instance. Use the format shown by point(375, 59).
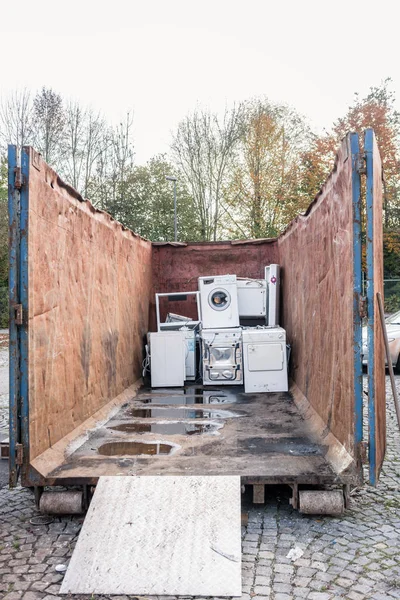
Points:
point(396, 367)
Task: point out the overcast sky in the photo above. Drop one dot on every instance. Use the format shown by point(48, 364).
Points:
point(161, 58)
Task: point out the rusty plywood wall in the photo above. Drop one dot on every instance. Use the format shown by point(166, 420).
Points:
point(89, 294)
point(316, 256)
point(177, 268)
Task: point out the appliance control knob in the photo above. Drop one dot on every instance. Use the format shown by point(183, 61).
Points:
point(280, 336)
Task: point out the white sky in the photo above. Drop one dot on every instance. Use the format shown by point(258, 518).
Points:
point(161, 58)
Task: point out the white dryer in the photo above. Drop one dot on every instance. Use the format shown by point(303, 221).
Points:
point(222, 356)
point(219, 301)
point(265, 360)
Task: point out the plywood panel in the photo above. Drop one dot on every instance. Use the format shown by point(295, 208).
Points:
point(160, 536)
point(89, 292)
point(316, 256)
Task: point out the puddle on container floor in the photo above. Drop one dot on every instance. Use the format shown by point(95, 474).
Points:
point(195, 396)
point(181, 413)
point(134, 448)
point(167, 428)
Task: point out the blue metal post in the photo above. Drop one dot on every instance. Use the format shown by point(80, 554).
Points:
point(14, 230)
point(368, 148)
point(23, 283)
point(357, 274)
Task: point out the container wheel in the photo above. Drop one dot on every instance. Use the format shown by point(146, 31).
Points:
point(321, 502)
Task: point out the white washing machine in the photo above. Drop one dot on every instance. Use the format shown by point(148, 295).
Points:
point(265, 360)
point(222, 356)
point(219, 301)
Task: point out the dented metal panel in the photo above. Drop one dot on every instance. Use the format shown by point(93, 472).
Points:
point(376, 350)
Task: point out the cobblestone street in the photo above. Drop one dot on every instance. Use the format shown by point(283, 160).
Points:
point(355, 556)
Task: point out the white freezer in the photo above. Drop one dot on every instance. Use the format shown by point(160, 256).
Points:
point(167, 358)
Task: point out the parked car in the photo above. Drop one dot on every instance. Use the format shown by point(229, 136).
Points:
point(393, 332)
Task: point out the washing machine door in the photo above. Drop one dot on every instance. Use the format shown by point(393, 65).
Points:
point(222, 362)
point(219, 299)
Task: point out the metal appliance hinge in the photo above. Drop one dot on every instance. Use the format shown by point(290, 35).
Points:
point(363, 309)
point(18, 178)
point(19, 314)
point(361, 165)
point(19, 454)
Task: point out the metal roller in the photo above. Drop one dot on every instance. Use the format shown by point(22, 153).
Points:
point(320, 502)
point(61, 503)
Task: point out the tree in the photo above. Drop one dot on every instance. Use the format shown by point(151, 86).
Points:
point(376, 110)
point(264, 190)
point(16, 119)
point(86, 139)
point(203, 148)
point(49, 123)
point(147, 206)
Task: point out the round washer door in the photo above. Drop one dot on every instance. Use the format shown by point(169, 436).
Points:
point(219, 299)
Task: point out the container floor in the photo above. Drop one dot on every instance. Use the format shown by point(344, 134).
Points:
point(201, 431)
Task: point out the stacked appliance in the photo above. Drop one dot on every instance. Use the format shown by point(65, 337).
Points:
point(238, 329)
point(221, 334)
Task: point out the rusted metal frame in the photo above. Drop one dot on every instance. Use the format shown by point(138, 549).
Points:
point(24, 297)
point(13, 278)
point(368, 149)
point(357, 286)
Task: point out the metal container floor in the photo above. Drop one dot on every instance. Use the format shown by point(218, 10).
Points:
point(198, 430)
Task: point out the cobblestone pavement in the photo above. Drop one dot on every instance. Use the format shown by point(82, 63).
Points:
point(355, 556)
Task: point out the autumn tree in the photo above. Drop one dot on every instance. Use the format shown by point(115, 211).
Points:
point(376, 110)
point(203, 148)
point(263, 192)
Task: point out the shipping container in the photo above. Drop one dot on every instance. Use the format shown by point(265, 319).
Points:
point(82, 300)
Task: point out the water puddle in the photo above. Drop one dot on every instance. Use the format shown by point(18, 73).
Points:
point(168, 428)
point(181, 413)
point(135, 448)
point(190, 396)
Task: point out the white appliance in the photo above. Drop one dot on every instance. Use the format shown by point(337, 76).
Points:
point(190, 354)
point(219, 301)
point(167, 358)
point(222, 356)
point(273, 285)
point(252, 297)
point(265, 360)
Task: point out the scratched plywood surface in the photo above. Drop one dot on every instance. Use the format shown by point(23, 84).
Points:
point(89, 292)
point(379, 348)
point(316, 255)
point(159, 536)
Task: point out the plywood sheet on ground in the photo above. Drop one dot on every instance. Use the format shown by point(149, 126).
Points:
point(160, 536)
